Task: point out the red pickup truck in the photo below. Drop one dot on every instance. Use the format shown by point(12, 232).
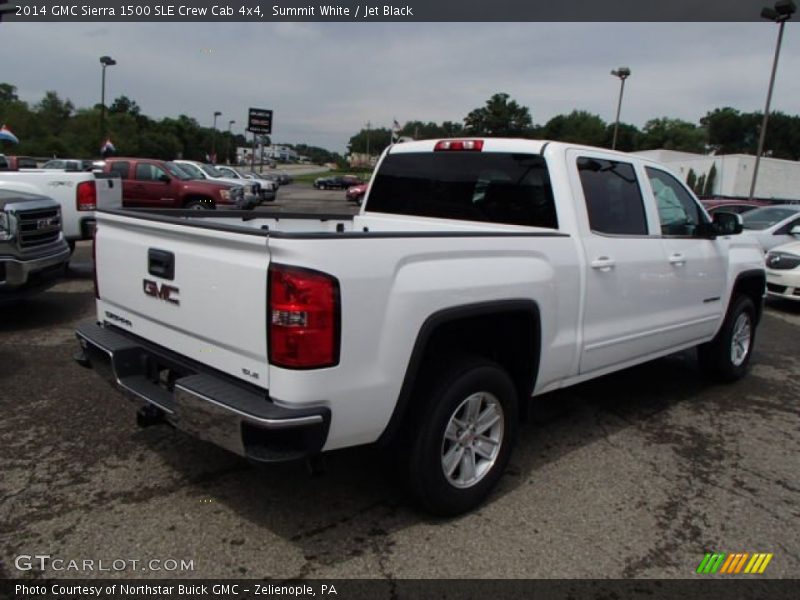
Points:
point(154, 183)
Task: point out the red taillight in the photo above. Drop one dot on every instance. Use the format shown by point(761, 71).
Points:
point(94, 262)
point(86, 198)
point(303, 327)
point(462, 145)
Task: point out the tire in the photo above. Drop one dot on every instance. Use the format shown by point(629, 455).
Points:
point(71, 244)
point(727, 356)
point(198, 205)
point(452, 466)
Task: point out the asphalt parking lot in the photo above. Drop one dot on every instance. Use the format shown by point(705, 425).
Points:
point(634, 475)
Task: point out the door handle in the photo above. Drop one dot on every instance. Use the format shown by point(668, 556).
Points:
point(677, 259)
point(603, 263)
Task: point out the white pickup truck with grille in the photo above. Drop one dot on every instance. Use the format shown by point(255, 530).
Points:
point(78, 193)
point(478, 274)
point(33, 252)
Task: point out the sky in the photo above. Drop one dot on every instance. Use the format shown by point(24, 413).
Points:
point(325, 81)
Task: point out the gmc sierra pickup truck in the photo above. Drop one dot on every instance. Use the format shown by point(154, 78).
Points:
point(479, 273)
point(33, 252)
point(163, 184)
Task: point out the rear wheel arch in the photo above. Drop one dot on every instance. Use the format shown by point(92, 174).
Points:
point(506, 332)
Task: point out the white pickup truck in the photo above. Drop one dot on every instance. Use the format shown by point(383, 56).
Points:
point(78, 193)
point(479, 273)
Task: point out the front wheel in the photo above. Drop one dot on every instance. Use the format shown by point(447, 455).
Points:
point(199, 205)
point(461, 442)
point(727, 356)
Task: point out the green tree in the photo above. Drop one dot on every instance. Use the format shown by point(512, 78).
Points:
point(708, 188)
point(725, 129)
point(627, 137)
point(579, 127)
point(378, 140)
point(673, 134)
point(501, 117)
point(123, 104)
point(8, 93)
point(691, 178)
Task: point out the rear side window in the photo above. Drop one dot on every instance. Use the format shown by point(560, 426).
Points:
point(613, 198)
point(490, 187)
point(121, 169)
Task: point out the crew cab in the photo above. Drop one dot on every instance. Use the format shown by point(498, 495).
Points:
point(151, 183)
point(33, 252)
point(479, 273)
point(79, 194)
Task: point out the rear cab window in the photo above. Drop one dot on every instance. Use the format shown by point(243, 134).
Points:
point(614, 200)
point(120, 168)
point(491, 187)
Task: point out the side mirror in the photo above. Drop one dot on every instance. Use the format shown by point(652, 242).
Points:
point(795, 231)
point(164, 179)
point(727, 223)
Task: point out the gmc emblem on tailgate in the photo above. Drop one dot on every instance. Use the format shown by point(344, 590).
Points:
point(162, 292)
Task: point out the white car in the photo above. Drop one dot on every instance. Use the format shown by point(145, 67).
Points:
point(773, 225)
point(198, 170)
point(783, 271)
point(269, 187)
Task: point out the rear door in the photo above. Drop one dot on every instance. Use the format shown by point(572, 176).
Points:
point(151, 186)
point(199, 292)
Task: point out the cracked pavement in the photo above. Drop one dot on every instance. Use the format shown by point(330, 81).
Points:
point(634, 475)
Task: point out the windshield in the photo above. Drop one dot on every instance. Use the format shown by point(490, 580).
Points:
point(177, 171)
point(191, 170)
point(212, 171)
point(763, 218)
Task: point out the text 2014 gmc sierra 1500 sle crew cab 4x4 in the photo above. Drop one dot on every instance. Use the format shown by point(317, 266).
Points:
point(479, 273)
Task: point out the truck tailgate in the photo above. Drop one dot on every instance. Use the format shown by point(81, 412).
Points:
point(200, 292)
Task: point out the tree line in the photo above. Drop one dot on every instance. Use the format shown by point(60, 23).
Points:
point(722, 131)
point(55, 127)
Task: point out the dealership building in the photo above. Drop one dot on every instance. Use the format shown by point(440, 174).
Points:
point(778, 179)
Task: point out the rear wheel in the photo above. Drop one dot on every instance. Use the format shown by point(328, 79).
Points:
point(727, 356)
point(461, 442)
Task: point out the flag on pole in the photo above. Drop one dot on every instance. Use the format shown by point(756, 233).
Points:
point(107, 148)
point(6, 135)
point(395, 131)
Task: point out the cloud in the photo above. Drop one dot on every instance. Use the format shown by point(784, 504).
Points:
point(326, 80)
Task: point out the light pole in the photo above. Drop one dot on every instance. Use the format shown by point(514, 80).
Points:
point(214, 138)
point(783, 11)
point(623, 73)
point(227, 143)
point(105, 61)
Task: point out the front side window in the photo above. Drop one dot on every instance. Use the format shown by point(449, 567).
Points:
point(492, 187)
point(613, 198)
point(678, 212)
point(148, 172)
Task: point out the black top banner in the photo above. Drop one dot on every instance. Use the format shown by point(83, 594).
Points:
point(377, 10)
